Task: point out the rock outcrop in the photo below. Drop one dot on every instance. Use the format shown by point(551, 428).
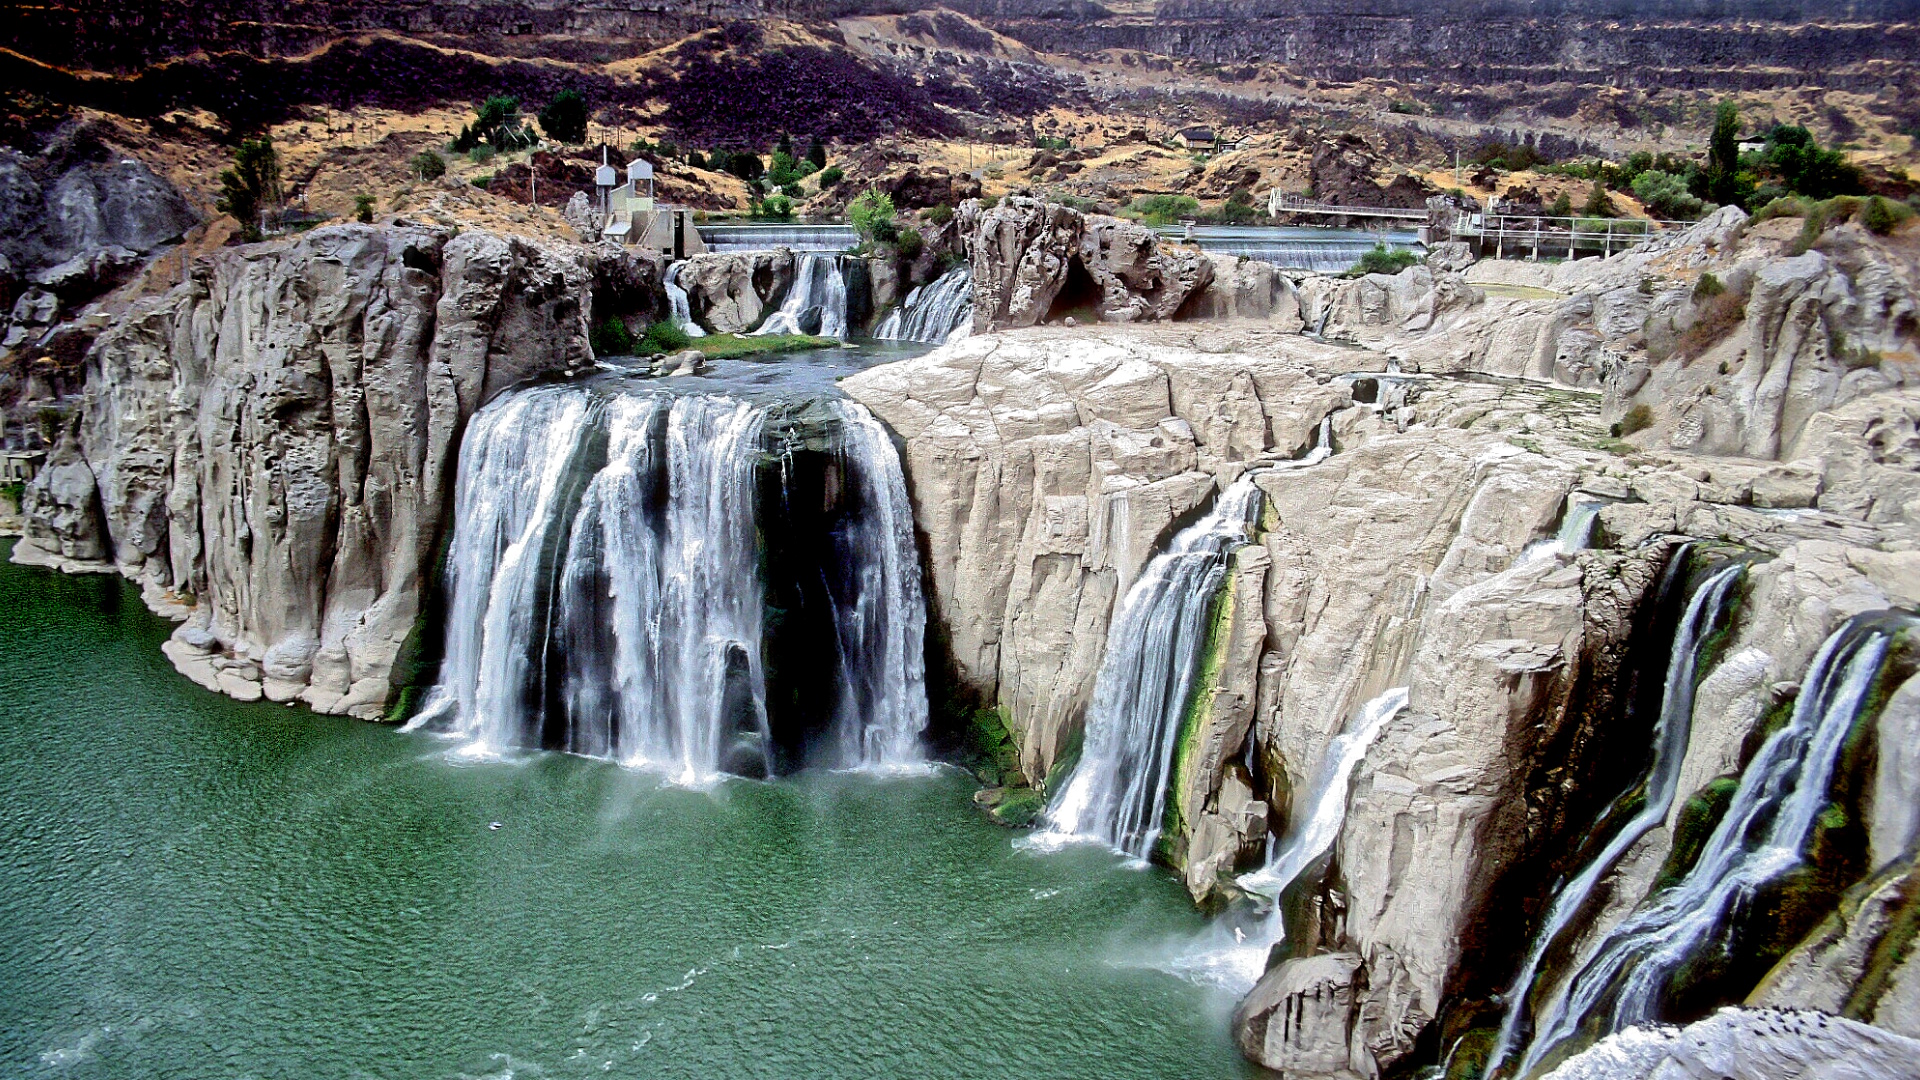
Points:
point(1034, 261)
point(1749, 1044)
point(1048, 465)
point(728, 292)
point(269, 449)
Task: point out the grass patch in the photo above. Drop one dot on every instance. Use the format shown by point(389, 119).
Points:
point(727, 346)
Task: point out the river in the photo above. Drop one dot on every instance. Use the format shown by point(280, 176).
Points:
point(196, 887)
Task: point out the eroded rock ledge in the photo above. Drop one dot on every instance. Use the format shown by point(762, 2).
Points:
point(269, 449)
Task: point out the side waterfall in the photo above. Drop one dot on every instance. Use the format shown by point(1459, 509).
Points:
point(879, 613)
point(936, 313)
point(677, 303)
point(1117, 793)
point(607, 596)
point(1708, 611)
point(1763, 835)
point(816, 302)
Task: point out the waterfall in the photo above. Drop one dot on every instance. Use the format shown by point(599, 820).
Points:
point(935, 313)
point(677, 303)
point(1323, 250)
point(879, 614)
point(1575, 532)
point(1237, 964)
point(1707, 613)
point(1763, 835)
point(1117, 794)
point(816, 302)
point(607, 596)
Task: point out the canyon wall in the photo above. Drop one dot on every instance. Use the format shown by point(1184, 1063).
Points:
point(269, 449)
point(1048, 465)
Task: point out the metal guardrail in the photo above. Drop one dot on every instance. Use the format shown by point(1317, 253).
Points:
point(1291, 204)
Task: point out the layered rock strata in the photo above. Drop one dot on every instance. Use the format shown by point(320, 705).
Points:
point(269, 448)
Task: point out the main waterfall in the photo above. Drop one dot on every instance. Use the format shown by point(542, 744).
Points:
point(1763, 834)
point(935, 313)
point(1707, 613)
point(1117, 793)
point(609, 593)
point(816, 302)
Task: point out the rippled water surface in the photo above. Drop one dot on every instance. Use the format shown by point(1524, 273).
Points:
point(192, 887)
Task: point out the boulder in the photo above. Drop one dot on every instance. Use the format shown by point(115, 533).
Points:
point(729, 291)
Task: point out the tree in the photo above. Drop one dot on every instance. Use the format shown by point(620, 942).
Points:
point(1562, 206)
point(783, 171)
point(786, 146)
point(1599, 203)
point(1666, 195)
point(697, 160)
point(872, 215)
point(363, 209)
point(427, 165)
point(565, 118)
point(251, 185)
point(747, 167)
point(1723, 152)
point(830, 176)
point(817, 153)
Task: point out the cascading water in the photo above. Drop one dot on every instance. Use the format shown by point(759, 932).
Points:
point(936, 313)
point(1763, 834)
point(1707, 612)
point(816, 302)
point(1117, 794)
point(680, 308)
point(879, 614)
point(1575, 532)
point(1238, 963)
point(1326, 251)
point(607, 594)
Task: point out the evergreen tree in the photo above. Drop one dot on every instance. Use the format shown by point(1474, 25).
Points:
point(1723, 152)
point(251, 186)
point(565, 118)
point(817, 153)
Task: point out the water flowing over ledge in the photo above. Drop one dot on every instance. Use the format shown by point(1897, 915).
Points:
point(936, 313)
point(816, 302)
point(610, 589)
point(1117, 794)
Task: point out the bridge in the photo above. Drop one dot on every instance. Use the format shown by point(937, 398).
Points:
point(1281, 203)
point(1495, 234)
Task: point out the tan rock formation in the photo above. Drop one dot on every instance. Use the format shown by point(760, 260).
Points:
point(271, 446)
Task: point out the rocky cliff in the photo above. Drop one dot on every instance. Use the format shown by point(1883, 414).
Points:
point(269, 448)
point(1466, 420)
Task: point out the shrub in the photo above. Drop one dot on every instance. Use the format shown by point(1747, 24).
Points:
point(1638, 418)
point(1713, 319)
point(697, 160)
point(1666, 195)
point(817, 154)
point(1880, 216)
point(481, 154)
point(427, 165)
point(988, 202)
point(830, 176)
point(1707, 287)
point(1562, 206)
point(772, 208)
point(1382, 260)
point(1165, 209)
point(871, 213)
point(663, 337)
point(938, 215)
point(363, 208)
point(909, 243)
point(747, 167)
point(251, 185)
point(784, 169)
point(565, 118)
point(792, 191)
point(612, 338)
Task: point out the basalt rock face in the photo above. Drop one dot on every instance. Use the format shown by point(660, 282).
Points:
point(1748, 1044)
point(1048, 466)
point(728, 292)
point(271, 445)
point(1034, 261)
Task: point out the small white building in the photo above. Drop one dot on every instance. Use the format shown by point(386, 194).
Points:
point(634, 217)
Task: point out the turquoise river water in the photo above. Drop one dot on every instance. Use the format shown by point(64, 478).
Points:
point(194, 887)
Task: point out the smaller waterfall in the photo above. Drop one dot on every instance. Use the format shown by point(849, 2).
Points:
point(816, 302)
point(879, 613)
point(1117, 794)
point(935, 313)
point(1575, 532)
point(677, 303)
point(1763, 835)
point(1708, 610)
point(1238, 963)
